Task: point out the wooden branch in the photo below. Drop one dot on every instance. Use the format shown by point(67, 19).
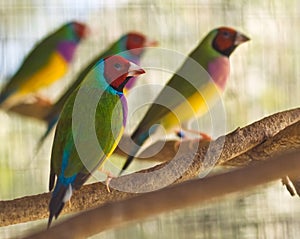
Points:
point(217, 152)
point(189, 193)
point(285, 141)
point(35, 207)
point(234, 144)
point(38, 109)
point(243, 138)
point(181, 168)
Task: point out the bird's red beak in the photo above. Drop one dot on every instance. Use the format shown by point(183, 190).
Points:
point(150, 43)
point(87, 32)
point(135, 70)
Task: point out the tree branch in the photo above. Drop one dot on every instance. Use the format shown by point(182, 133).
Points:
point(285, 141)
point(182, 167)
point(111, 215)
point(237, 142)
point(220, 151)
point(39, 109)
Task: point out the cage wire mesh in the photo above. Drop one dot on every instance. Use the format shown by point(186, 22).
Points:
point(264, 79)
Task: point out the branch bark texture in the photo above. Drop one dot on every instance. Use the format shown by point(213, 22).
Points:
point(111, 215)
point(273, 135)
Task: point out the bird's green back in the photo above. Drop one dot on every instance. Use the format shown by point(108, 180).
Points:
point(40, 55)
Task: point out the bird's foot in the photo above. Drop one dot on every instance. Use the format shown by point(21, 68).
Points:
point(180, 134)
point(183, 137)
point(204, 136)
point(109, 177)
point(70, 203)
point(40, 100)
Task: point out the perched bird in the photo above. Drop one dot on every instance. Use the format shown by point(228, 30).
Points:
point(96, 108)
point(131, 46)
point(192, 88)
point(45, 64)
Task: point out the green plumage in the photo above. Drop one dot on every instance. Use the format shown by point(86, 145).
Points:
point(117, 47)
point(90, 91)
point(120, 48)
point(40, 55)
point(62, 43)
point(194, 86)
point(89, 128)
point(188, 79)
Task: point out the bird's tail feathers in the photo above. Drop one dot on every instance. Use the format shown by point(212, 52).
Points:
point(50, 125)
point(61, 194)
point(2, 98)
point(138, 137)
point(4, 104)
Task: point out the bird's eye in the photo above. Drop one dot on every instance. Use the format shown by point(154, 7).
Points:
point(118, 66)
point(137, 39)
point(226, 34)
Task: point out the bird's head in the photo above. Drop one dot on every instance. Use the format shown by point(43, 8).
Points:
point(118, 71)
point(135, 42)
point(227, 39)
point(81, 30)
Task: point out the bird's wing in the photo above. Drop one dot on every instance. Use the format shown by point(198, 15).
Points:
point(189, 79)
point(95, 133)
point(63, 138)
point(38, 59)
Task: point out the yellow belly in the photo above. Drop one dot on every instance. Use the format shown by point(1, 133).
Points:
point(195, 106)
point(118, 138)
point(56, 68)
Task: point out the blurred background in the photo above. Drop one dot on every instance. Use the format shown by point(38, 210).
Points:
point(264, 80)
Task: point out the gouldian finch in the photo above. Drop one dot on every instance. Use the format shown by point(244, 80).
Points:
point(130, 46)
point(169, 109)
point(95, 108)
point(45, 64)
